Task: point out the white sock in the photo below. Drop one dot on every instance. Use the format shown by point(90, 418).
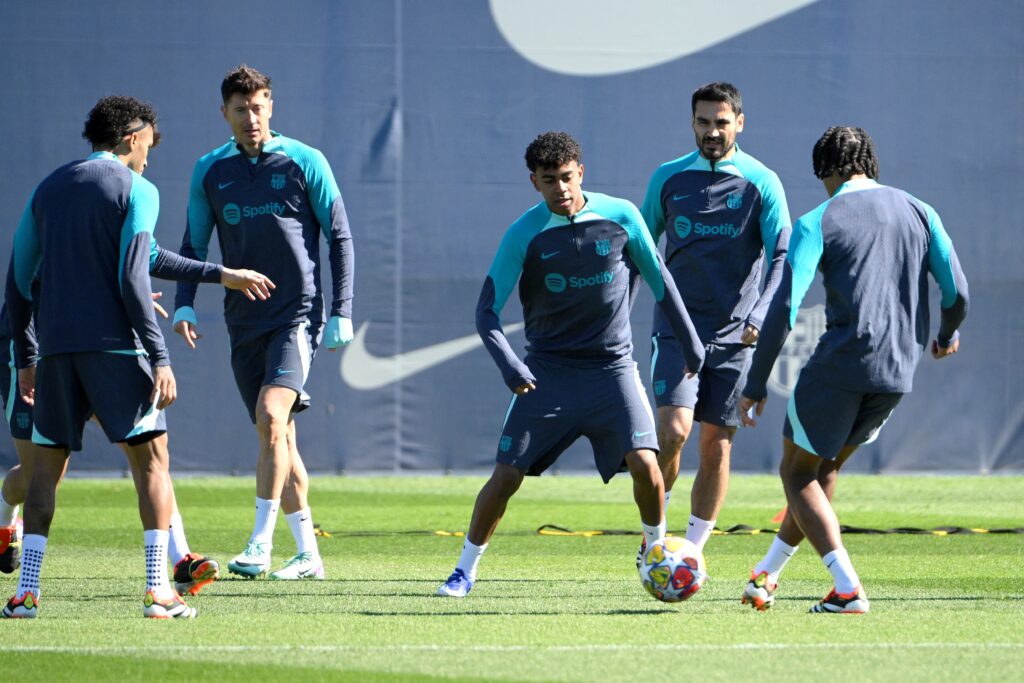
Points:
point(843, 574)
point(470, 558)
point(699, 531)
point(776, 558)
point(8, 512)
point(177, 545)
point(33, 547)
point(301, 524)
point(653, 534)
point(266, 519)
point(156, 562)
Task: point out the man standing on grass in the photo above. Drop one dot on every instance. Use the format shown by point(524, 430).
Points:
point(875, 246)
point(87, 235)
point(721, 212)
point(578, 258)
point(270, 198)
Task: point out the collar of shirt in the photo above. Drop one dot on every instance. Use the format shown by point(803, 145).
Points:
point(857, 185)
point(102, 155)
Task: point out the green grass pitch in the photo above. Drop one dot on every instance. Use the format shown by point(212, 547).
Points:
point(545, 608)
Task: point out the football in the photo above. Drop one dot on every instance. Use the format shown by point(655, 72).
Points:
point(672, 569)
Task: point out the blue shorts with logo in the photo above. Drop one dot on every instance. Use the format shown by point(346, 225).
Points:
point(822, 419)
point(17, 412)
point(116, 387)
point(279, 356)
point(713, 393)
point(608, 405)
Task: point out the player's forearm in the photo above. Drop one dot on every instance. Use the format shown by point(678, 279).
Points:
point(772, 280)
point(136, 293)
point(513, 371)
point(342, 257)
point(19, 311)
point(171, 266)
point(679, 319)
point(770, 341)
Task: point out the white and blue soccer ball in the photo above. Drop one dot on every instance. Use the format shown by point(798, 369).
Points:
point(672, 570)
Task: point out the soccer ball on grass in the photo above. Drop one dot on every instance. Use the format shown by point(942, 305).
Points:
point(672, 569)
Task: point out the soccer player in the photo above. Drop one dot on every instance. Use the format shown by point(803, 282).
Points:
point(875, 246)
point(578, 257)
point(721, 212)
point(87, 234)
point(270, 198)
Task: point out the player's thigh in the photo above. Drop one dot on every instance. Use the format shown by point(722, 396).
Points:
point(61, 405)
point(617, 417)
point(669, 382)
point(16, 411)
point(289, 356)
point(120, 389)
point(820, 417)
point(875, 411)
point(542, 423)
point(722, 378)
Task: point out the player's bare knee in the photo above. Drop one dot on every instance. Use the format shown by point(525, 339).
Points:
point(505, 481)
point(271, 424)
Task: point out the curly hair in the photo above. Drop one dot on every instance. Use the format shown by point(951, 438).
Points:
point(116, 116)
point(244, 80)
point(718, 92)
point(551, 150)
point(845, 150)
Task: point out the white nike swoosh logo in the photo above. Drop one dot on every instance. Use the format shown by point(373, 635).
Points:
point(221, 186)
point(678, 197)
point(641, 33)
point(362, 370)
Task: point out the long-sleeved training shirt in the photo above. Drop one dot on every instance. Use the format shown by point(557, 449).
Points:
point(875, 246)
point(269, 212)
point(719, 222)
point(577, 282)
point(87, 233)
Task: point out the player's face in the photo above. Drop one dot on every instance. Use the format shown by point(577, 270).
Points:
point(139, 143)
point(561, 187)
point(715, 126)
point(249, 118)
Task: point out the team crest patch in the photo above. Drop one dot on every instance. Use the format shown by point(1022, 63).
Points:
point(807, 329)
point(505, 444)
point(659, 387)
point(277, 181)
point(22, 419)
point(734, 201)
point(604, 247)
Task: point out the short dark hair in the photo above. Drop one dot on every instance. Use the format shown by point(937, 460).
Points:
point(718, 92)
point(245, 80)
point(845, 150)
point(551, 150)
point(114, 117)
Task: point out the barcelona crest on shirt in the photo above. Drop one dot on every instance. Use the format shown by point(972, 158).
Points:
point(604, 247)
point(277, 181)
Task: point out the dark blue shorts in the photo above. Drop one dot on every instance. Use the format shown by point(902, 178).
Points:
point(116, 387)
point(17, 412)
point(713, 393)
point(822, 419)
point(607, 405)
point(278, 357)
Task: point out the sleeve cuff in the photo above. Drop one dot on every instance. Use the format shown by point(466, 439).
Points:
point(186, 313)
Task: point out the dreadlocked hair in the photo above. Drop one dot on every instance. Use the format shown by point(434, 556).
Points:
point(845, 150)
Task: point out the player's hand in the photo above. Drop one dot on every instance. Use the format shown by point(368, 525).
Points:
point(188, 331)
point(750, 335)
point(338, 333)
point(939, 352)
point(525, 388)
point(165, 389)
point(27, 385)
point(157, 307)
point(254, 285)
point(744, 406)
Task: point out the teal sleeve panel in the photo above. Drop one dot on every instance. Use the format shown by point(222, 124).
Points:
point(500, 281)
point(143, 210)
point(25, 260)
point(28, 253)
point(945, 268)
point(805, 250)
point(652, 210)
point(198, 228)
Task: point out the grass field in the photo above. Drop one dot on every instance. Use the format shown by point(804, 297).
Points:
point(944, 608)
